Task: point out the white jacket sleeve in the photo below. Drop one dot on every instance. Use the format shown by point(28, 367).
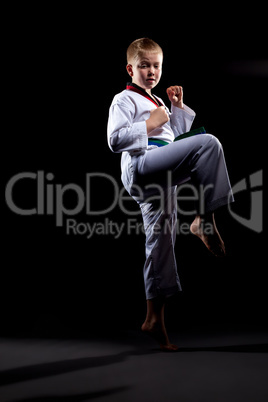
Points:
point(181, 119)
point(123, 133)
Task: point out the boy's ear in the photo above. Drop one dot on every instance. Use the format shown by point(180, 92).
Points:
point(129, 70)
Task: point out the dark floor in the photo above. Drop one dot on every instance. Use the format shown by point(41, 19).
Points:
point(209, 367)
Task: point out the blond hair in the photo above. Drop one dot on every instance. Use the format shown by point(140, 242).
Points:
point(140, 46)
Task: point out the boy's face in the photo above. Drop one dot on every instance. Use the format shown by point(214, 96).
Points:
point(146, 70)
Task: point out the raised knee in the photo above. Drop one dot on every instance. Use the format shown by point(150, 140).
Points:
point(214, 142)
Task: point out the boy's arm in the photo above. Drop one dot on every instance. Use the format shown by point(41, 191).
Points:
point(181, 119)
point(182, 116)
point(157, 118)
point(123, 133)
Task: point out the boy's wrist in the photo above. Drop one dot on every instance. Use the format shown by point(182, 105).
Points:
point(178, 104)
point(150, 126)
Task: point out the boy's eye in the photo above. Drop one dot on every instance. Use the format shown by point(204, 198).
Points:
point(157, 66)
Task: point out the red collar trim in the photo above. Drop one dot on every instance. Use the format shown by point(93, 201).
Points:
point(141, 91)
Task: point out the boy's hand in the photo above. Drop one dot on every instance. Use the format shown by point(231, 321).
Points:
point(175, 95)
point(158, 117)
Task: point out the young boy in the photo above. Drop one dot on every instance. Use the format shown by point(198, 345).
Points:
point(143, 129)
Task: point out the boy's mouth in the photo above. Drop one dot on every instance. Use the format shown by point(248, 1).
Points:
point(150, 79)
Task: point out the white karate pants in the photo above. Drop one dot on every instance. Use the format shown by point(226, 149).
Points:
point(200, 159)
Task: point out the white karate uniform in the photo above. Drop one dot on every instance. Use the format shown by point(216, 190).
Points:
point(144, 167)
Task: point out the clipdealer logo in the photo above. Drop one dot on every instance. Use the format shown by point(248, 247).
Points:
point(255, 221)
point(51, 200)
point(50, 197)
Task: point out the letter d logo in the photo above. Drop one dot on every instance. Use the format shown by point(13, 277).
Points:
point(255, 222)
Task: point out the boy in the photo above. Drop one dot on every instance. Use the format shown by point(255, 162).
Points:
point(143, 129)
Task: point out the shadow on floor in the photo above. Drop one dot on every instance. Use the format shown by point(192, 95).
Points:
point(53, 368)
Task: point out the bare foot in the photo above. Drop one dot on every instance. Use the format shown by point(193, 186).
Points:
point(210, 237)
point(158, 332)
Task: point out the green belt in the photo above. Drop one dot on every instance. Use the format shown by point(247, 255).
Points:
point(160, 143)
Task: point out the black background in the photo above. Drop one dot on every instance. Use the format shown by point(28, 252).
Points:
point(62, 69)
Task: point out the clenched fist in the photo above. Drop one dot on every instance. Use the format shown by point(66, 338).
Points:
point(157, 118)
point(175, 95)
